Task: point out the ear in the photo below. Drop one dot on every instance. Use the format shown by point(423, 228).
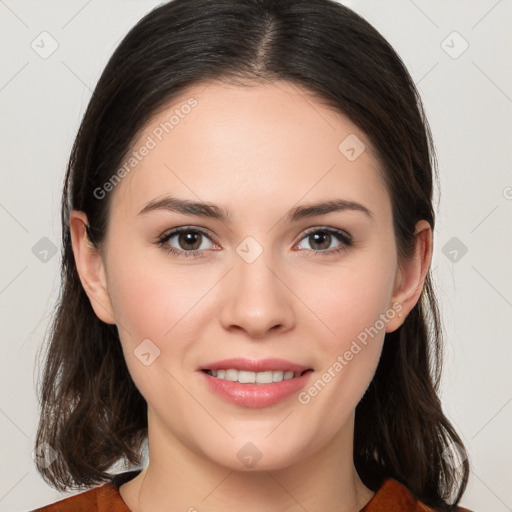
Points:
point(90, 267)
point(410, 276)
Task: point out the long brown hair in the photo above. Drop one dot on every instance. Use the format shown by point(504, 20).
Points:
point(91, 412)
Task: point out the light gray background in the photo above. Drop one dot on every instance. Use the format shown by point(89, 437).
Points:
point(468, 99)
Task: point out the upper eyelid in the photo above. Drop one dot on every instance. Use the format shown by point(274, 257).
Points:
point(327, 228)
point(176, 231)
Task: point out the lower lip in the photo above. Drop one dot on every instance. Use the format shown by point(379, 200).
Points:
point(256, 395)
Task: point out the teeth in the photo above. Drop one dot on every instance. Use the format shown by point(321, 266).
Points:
point(245, 377)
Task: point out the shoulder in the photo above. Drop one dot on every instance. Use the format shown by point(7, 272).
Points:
point(105, 498)
point(393, 496)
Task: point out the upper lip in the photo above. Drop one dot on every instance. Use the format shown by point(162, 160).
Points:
point(253, 365)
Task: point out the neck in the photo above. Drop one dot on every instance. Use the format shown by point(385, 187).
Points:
point(178, 478)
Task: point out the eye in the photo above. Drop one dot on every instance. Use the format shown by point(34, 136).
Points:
point(189, 241)
point(321, 238)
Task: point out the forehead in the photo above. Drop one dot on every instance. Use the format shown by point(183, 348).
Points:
point(218, 142)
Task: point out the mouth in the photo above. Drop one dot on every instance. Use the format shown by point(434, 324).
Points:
point(249, 377)
point(255, 383)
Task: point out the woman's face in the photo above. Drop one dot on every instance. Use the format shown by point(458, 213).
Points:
point(315, 290)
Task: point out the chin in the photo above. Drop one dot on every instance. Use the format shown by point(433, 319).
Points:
point(254, 456)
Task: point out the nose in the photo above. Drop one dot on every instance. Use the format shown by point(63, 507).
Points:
point(257, 299)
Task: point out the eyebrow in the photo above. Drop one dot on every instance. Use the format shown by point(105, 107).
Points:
point(186, 207)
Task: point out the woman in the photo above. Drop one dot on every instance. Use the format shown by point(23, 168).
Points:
point(247, 232)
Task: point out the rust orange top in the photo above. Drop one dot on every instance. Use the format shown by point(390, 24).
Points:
point(392, 496)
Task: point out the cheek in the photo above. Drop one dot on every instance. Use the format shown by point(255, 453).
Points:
point(151, 306)
point(140, 302)
point(157, 301)
point(354, 307)
point(357, 330)
point(350, 299)
point(151, 298)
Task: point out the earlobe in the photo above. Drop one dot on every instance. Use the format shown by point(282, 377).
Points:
point(410, 277)
point(90, 267)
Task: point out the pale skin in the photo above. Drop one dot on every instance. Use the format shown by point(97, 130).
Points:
point(257, 152)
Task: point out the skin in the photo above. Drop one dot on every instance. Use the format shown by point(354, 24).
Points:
point(258, 152)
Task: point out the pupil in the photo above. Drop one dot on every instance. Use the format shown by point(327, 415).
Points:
point(190, 238)
point(322, 235)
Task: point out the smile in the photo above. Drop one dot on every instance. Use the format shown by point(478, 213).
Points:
point(255, 389)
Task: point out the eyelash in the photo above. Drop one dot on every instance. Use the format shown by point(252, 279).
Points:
point(344, 238)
